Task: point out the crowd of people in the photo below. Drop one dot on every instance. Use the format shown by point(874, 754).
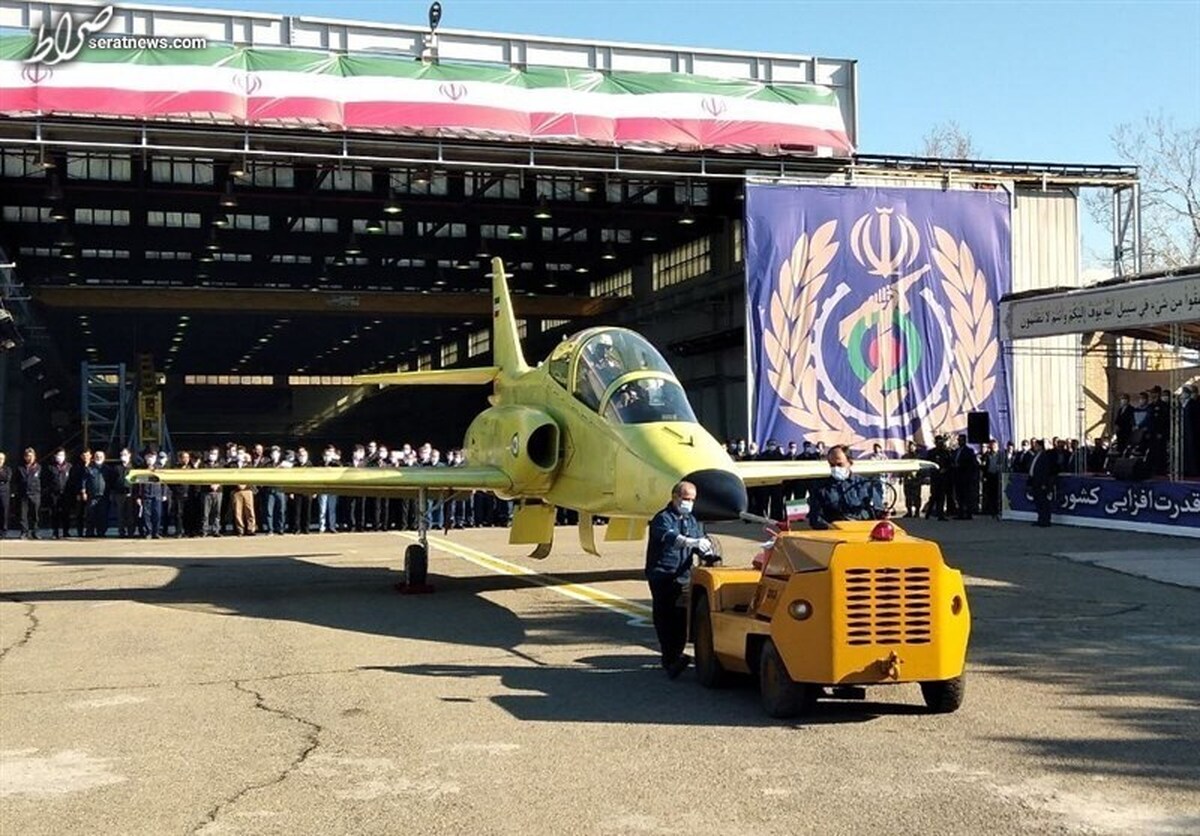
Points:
point(91, 496)
point(968, 480)
point(965, 479)
point(1142, 427)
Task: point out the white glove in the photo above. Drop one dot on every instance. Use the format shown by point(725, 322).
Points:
point(688, 542)
point(705, 545)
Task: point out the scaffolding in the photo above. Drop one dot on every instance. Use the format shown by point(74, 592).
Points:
point(104, 405)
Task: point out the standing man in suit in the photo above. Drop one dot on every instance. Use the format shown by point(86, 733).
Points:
point(28, 493)
point(913, 482)
point(1123, 423)
point(992, 465)
point(1160, 431)
point(775, 503)
point(1189, 426)
point(57, 475)
point(120, 494)
point(6, 476)
point(78, 502)
point(1042, 471)
point(95, 496)
point(966, 479)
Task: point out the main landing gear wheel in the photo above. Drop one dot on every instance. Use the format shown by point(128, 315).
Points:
point(416, 556)
point(782, 697)
point(416, 571)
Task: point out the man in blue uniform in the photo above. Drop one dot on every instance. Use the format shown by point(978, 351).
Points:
point(675, 535)
point(843, 496)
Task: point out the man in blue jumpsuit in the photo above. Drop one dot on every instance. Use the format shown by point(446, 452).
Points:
point(843, 496)
point(675, 535)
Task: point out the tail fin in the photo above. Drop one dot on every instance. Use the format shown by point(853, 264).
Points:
point(506, 341)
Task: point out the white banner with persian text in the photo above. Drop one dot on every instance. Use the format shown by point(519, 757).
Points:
point(1133, 305)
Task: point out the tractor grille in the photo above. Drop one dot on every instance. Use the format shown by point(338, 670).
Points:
point(888, 605)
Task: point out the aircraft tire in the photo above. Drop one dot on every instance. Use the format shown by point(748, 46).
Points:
point(416, 565)
point(709, 672)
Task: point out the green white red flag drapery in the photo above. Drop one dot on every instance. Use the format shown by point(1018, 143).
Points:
point(374, 93)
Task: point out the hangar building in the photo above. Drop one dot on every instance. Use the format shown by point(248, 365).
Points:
point(204, 244)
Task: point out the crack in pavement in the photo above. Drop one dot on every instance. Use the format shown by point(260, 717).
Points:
point(96, 575)
point(185, 684)
point(34, 623)
point(312, 738)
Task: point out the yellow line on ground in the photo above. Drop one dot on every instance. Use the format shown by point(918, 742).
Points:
point(638, 614)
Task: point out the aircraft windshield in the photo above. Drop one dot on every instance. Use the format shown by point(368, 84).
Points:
point(609, 355)
point(648, 400)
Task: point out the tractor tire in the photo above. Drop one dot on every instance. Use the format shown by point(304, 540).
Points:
point(946, 696)
point(782, 697)
point(709, 672)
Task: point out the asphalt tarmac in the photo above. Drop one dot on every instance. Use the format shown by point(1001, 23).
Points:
point(277, 685)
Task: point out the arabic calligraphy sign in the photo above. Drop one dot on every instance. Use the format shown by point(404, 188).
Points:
point(1136, 304)
point(1152, 505)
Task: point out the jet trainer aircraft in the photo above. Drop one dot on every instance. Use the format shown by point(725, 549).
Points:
point(603, 427)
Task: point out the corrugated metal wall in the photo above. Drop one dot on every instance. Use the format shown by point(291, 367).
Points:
point(1045, 372)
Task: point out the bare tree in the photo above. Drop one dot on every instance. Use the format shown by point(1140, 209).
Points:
point(1168, 157)
point(948, 141)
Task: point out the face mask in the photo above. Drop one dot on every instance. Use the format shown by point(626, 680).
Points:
point(841, 473)
point(212, 457)
point(686, 505)
point(124, 459)
point(303, 458)
point(60, 458)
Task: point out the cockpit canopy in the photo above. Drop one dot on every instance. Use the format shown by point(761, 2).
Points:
point(620, 375)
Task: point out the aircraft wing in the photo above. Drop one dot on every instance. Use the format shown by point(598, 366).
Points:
point(433, 377)
point(757, 474)
point(355, 481)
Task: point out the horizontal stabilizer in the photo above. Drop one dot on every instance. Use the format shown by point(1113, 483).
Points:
point(442, 377)
point(760, 473)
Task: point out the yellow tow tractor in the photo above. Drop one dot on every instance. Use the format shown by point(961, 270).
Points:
point(863, 603)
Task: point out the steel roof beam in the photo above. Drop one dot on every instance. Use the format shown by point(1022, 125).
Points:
point(324, 303)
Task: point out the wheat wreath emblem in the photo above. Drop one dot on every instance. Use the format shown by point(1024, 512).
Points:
point(790, 340)
point(975, 349)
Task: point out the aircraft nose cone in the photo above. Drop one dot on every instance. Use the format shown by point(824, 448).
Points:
point(720, 495)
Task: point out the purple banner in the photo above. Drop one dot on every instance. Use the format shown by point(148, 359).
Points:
point(1165, 506)
point(873, 312)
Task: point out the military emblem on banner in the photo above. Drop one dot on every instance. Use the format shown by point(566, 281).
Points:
point(903, 350)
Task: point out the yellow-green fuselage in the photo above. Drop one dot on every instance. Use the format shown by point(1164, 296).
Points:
point(560, 448)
